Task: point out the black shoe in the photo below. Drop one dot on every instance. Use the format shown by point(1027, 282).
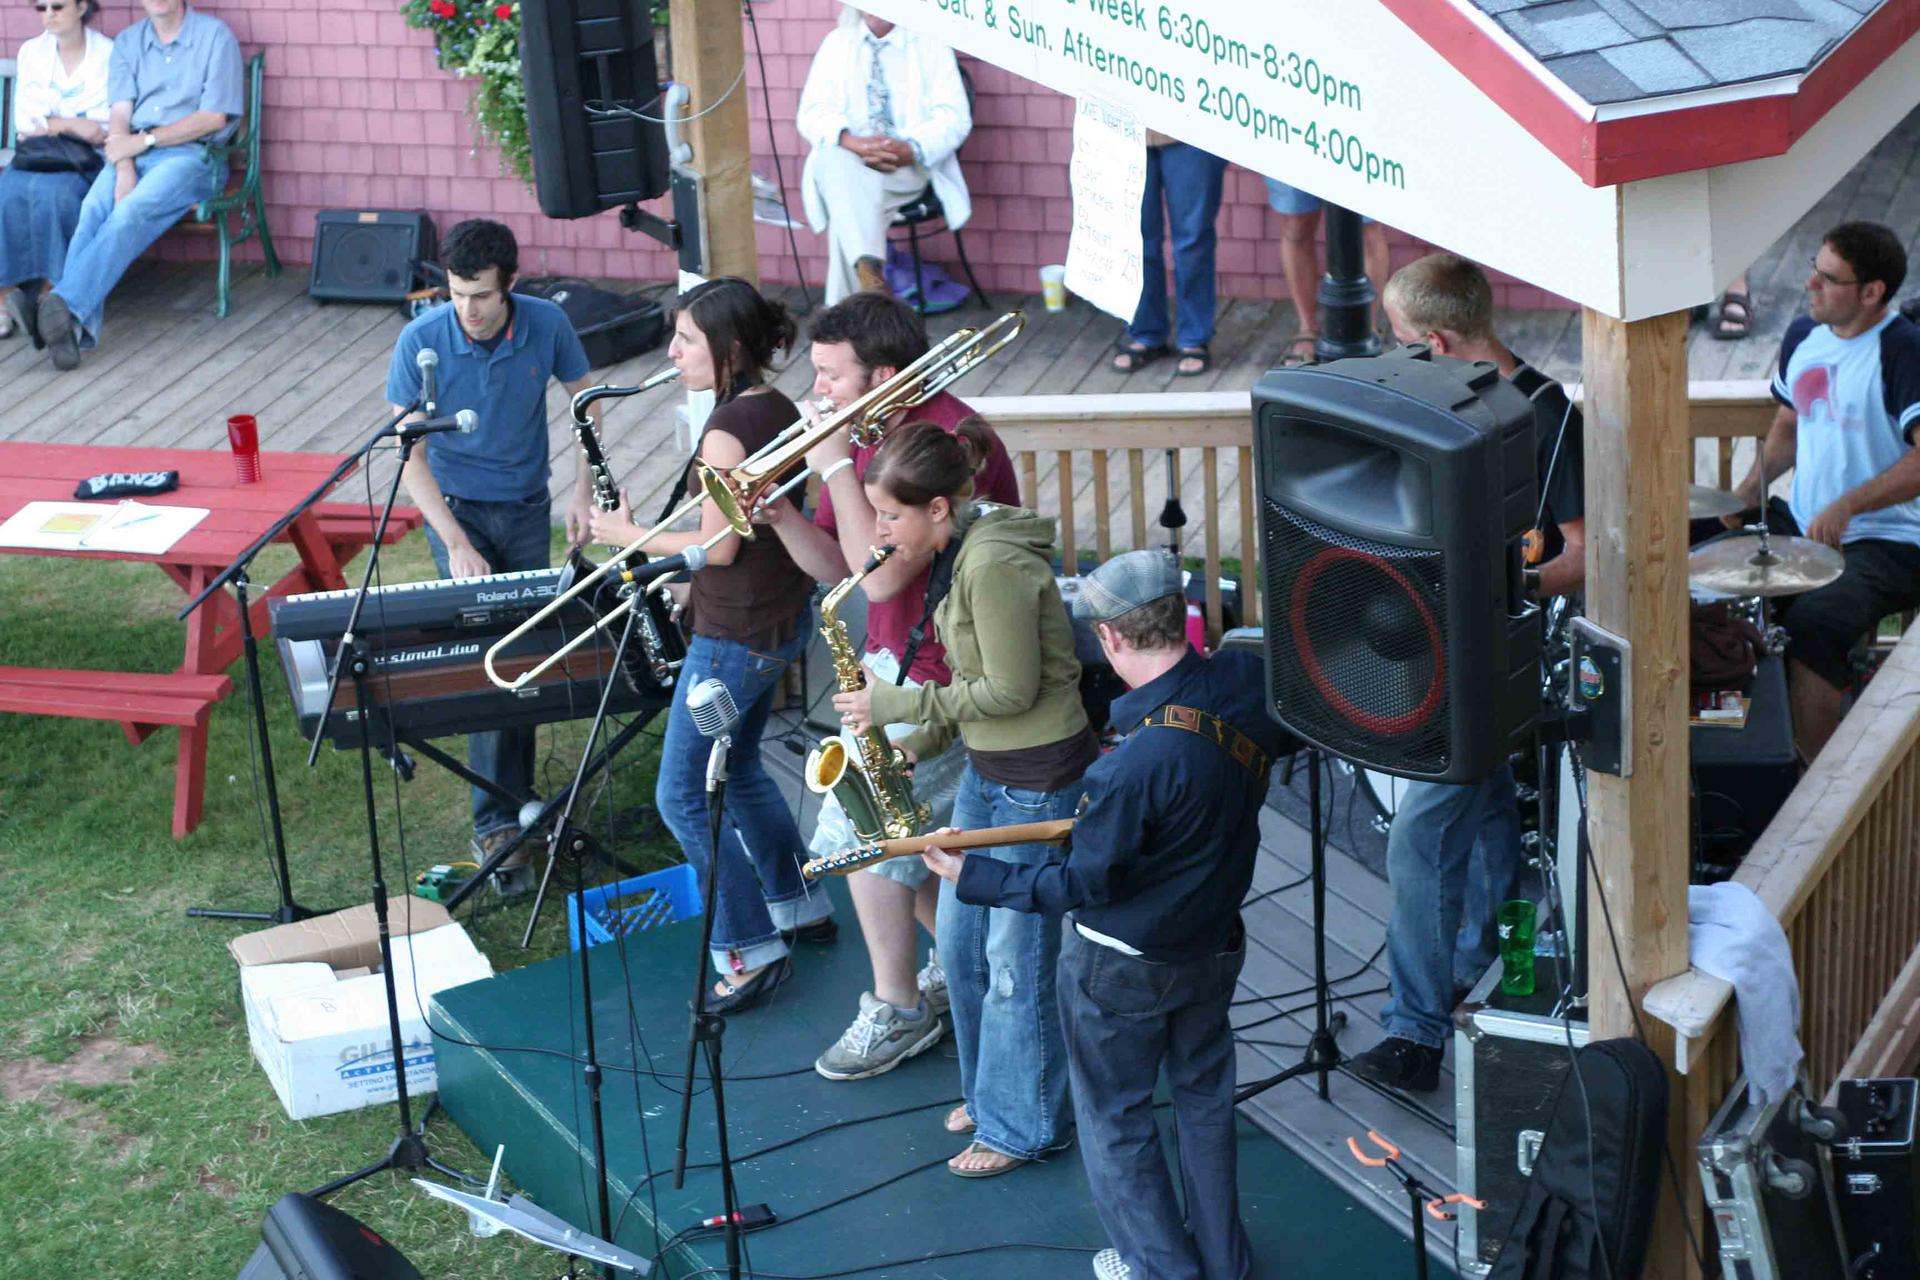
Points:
point(1399, 1064)
point(754, 990)
point(820, 933)
point(56, 331)
point(23, 307)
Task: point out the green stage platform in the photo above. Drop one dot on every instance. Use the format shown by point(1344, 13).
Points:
point(860, 1187)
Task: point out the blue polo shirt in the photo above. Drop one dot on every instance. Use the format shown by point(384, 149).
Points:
point(1164, 845)
point(198, 71)
point(505, 457)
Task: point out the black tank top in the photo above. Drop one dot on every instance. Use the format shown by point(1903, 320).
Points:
point(755, 599)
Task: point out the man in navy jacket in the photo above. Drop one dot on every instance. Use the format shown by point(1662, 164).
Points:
point(1163, 853)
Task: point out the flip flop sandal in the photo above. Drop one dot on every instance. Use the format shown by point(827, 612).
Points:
point(1200, 354)
point(1735, 318)
point(966, 1121)
point(1299, 351)
point(1132, 359)
point(974, 1148)
point(752, 992)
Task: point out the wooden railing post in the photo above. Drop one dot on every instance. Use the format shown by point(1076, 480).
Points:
point(1638, 461)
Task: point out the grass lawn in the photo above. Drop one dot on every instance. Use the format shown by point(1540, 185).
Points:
point(137, 1136)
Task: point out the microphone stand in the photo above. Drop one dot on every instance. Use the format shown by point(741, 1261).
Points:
point(708, 1030)
point(289, 910)
point(1323, 1054)
point(409, 1149)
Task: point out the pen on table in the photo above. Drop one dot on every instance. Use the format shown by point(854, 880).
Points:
point(151, 515)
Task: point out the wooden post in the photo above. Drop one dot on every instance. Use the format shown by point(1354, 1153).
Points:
point(708, 57)
point(1638, 462)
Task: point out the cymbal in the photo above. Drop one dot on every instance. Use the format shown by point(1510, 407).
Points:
point(1735, 566)
point(1704, 500)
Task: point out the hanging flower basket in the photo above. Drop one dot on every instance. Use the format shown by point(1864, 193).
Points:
point(480, 39)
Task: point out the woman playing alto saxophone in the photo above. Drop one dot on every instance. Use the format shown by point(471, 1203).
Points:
point(747, 611)
point(1015, 701)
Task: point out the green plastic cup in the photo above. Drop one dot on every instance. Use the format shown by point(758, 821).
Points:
point(1516, 921)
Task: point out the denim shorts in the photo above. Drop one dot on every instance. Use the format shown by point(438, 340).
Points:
point(1292, 201)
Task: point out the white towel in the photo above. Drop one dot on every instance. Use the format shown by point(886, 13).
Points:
point(1732, 935)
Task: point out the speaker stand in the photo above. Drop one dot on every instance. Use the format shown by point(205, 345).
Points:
point(1323, 1056)
point(1346, 295)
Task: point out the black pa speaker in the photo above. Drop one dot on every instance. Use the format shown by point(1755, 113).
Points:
point(580, 61)
point(1396, 492)
point(369, 255)
point(307, 1239)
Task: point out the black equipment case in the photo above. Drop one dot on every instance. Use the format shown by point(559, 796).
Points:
point(1510, 1057)
point(612, 327)
point(1875, 1178)
point(1769, 1188)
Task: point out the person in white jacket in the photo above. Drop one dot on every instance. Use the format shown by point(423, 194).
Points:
point(885, 112)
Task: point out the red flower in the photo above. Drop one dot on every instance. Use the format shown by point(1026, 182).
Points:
point(441, 8)
point(503, 11)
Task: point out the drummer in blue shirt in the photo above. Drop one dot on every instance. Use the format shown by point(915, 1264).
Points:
point(484, 494)
point(1151, 944)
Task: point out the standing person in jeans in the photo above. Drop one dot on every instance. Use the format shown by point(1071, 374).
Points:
point(1163, 853)
point(1014, 699)
point(175, 82)
point(1189, 181)
point(484, 495)
point(748, 610)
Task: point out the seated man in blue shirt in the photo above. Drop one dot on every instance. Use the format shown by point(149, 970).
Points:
point(484, 495)
point(174, 84)
point(1849, 393)
point(1163, 853)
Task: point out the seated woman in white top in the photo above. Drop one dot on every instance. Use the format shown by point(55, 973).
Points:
point(61, 91)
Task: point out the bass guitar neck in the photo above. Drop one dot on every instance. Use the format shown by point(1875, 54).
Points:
point(1056, 831)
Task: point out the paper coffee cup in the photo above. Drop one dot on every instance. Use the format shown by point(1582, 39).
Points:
point(1053, 287)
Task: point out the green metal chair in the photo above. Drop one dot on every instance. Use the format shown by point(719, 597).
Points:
point(242, 196)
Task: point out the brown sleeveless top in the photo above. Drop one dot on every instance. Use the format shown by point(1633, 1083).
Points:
point(755, 599)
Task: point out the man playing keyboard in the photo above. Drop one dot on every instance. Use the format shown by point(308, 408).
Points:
point(484, 493)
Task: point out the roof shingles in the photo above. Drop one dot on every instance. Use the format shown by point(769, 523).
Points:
point(1614, 51)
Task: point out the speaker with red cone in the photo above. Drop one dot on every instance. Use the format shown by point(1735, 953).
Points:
point(1396, 495)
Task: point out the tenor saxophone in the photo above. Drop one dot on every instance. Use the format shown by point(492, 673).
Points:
point(874, 789)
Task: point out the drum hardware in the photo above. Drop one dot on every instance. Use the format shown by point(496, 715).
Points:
point(1705, 501)
point(1759, 564)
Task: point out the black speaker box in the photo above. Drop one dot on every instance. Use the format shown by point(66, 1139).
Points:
point(307, 1239)
point(369, 255)
point(1395, 495)
point(580, 60)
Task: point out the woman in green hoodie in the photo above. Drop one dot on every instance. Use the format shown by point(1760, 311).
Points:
point(1015, 702)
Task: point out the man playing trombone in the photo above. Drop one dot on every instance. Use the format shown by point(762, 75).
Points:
point(484, 493)
point(857, 344)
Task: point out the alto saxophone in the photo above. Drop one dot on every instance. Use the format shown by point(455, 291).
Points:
point(874, 790)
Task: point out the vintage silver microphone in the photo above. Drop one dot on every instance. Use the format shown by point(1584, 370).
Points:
point(714, 715)
point(428, 362)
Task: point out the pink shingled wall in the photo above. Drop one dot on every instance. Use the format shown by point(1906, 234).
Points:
point(359, 116)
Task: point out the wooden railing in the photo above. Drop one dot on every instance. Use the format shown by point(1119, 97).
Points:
point(1097, 464)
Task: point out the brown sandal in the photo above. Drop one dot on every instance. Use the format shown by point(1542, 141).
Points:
point(1300, 350)
point(991, 1171)
point(958, 1121)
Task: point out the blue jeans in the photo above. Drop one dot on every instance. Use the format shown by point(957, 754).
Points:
point(758, 890)
point(509, 536)
point(38, 212)
point(1125, 1018)
point(1453, 856)
point(113, 233)
point(1000, 975)
point(1189, 179)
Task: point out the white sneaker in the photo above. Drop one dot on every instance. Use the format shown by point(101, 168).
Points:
point(1107, 1265)
point(878, 1041)
point(932, 981)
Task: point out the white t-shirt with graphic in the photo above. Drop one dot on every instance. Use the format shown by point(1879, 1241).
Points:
point(1858, 402)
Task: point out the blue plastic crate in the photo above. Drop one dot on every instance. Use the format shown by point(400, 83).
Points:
point(643, 902)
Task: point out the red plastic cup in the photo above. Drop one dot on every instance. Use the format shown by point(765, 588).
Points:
point(243, 434)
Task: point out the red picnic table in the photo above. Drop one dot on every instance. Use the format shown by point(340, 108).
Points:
point(326, 536)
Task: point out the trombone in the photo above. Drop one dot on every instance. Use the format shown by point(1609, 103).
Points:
point(764, 475)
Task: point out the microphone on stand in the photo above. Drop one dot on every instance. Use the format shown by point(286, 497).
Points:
point(714, 715)
point(429, 364)
point(464, 422)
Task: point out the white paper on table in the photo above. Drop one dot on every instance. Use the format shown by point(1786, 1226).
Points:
point(131, 527)
point(1109, 177)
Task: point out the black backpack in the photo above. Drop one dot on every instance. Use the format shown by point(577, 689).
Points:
point(1555, 1236)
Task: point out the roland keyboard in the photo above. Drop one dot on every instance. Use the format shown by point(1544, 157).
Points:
point(426, 643)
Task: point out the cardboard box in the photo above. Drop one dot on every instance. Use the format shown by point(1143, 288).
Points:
point(317, 1018)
